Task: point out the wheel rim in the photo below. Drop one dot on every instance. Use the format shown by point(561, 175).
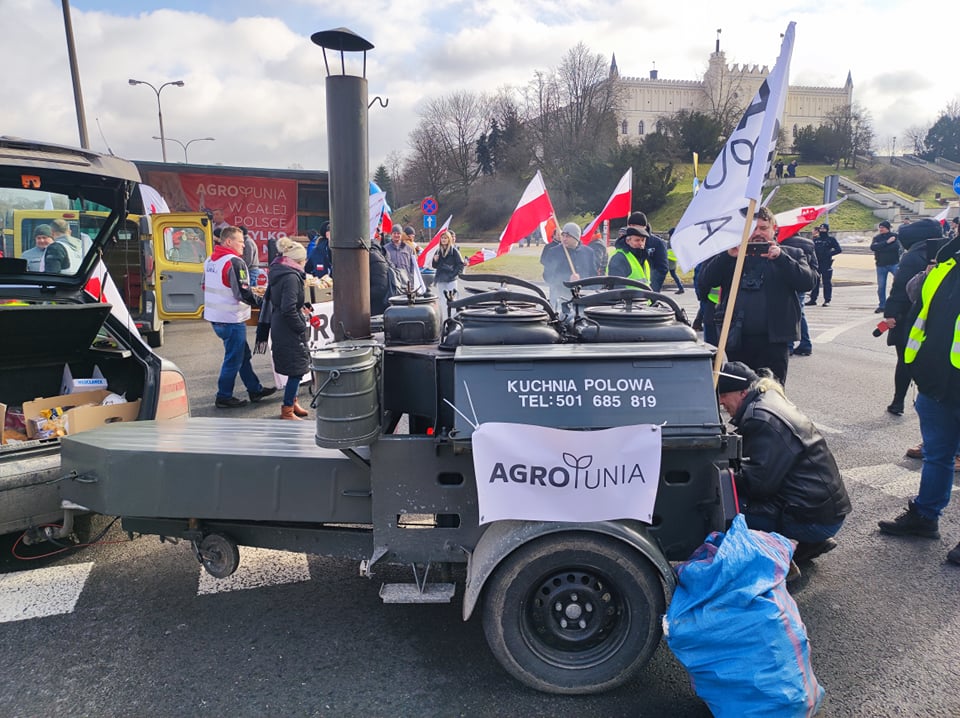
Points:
point(575, 618)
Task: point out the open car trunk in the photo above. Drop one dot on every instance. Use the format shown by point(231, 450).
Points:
point(41, 338)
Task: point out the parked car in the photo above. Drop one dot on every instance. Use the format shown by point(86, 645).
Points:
point(71, 357)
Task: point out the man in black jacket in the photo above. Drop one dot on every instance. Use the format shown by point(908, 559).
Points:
point(766, 318)
point(886, 254)
point(933, 359)
point(897, 309)
point(805, 347)
point(565, 260)
point(788, 481)
point(826, 247)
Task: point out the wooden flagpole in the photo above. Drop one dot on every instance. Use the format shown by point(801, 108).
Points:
point(566, 251)
point(731, 301)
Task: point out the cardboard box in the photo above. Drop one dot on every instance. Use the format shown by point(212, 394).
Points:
point(315, 294)
point(72, 384)
point(81, 417)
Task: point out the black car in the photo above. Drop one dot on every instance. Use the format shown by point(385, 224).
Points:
point(71, 357)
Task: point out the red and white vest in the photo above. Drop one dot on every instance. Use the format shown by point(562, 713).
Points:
point(219, 303)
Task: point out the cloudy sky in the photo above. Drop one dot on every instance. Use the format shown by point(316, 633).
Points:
point(255, 82)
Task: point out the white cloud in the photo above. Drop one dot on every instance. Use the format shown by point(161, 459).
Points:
point(256, 83)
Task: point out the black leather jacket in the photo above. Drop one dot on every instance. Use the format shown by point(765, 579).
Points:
point(787, 466)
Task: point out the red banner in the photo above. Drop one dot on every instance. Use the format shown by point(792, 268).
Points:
point(266, 207)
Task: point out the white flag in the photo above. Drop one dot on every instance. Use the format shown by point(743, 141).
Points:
point(713, 221)
point(378, 201)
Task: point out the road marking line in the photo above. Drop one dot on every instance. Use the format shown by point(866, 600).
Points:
point(831, 334)
point(892, 479)
point(259, 567)
point(42, 591)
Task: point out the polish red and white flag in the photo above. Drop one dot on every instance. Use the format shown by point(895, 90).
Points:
point(426, 254)
point(792, 221)
point(533, 209)
point(617, 206)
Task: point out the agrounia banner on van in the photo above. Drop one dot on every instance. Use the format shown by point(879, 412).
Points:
point(267, 207)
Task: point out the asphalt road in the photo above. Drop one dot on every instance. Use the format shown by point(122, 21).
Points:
point(149, 635)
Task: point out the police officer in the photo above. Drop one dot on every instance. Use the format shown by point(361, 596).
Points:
point(932, 356)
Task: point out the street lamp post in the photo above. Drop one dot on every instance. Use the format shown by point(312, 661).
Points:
point(893, 152)
point(185, 146)
point(176, 83)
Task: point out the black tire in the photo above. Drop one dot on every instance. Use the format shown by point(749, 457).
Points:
point(566, 578)
point(155, 339)
point(220, 555)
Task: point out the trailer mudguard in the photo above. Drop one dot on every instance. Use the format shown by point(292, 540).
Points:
point(503, 537)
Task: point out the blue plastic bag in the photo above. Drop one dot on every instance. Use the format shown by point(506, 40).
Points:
point(738, 632)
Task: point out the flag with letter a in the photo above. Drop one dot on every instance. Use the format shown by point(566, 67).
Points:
point(713, 221)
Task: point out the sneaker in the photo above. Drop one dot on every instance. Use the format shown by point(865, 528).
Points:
point(794, 572)
point(878, 310)
point(915, 452)
point(231, 402)
point(811, 303)
point(265, 391)
point(954, 555)
point(826, 304)
point(911, 523)
point(804, 352)
point(896, 408)
point(809, 551)
point(680, 291)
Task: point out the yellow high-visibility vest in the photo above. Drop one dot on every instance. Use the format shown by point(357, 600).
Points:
point(638, 270)
point(918, 332)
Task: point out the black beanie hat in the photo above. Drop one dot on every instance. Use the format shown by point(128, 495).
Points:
point(735, 376)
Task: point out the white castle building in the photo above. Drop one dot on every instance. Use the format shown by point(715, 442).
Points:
point(646, 99)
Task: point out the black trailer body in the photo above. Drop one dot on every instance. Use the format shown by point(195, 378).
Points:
point(411, 498)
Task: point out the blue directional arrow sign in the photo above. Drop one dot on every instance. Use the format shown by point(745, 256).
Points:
point(956, 184)
point(429, 221)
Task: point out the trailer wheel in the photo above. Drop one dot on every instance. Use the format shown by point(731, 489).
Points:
point(573, 614)
point(219, 555)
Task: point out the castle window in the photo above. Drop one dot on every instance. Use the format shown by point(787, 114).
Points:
point(640, 127)
point(623, 127)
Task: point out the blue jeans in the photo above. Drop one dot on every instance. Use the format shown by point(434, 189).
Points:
point(291, 389)
point(236, 360)
point(805, 533)
point(940, 429)
point(882, 282)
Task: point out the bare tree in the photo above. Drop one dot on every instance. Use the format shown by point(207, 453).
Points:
point(455, 123)
point(853, 130)
point(916, 139)
point(425, 172)
point(572, 110)
point(725, 92)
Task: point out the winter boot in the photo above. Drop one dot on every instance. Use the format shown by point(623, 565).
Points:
point(911, 523)
point(286, 412)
